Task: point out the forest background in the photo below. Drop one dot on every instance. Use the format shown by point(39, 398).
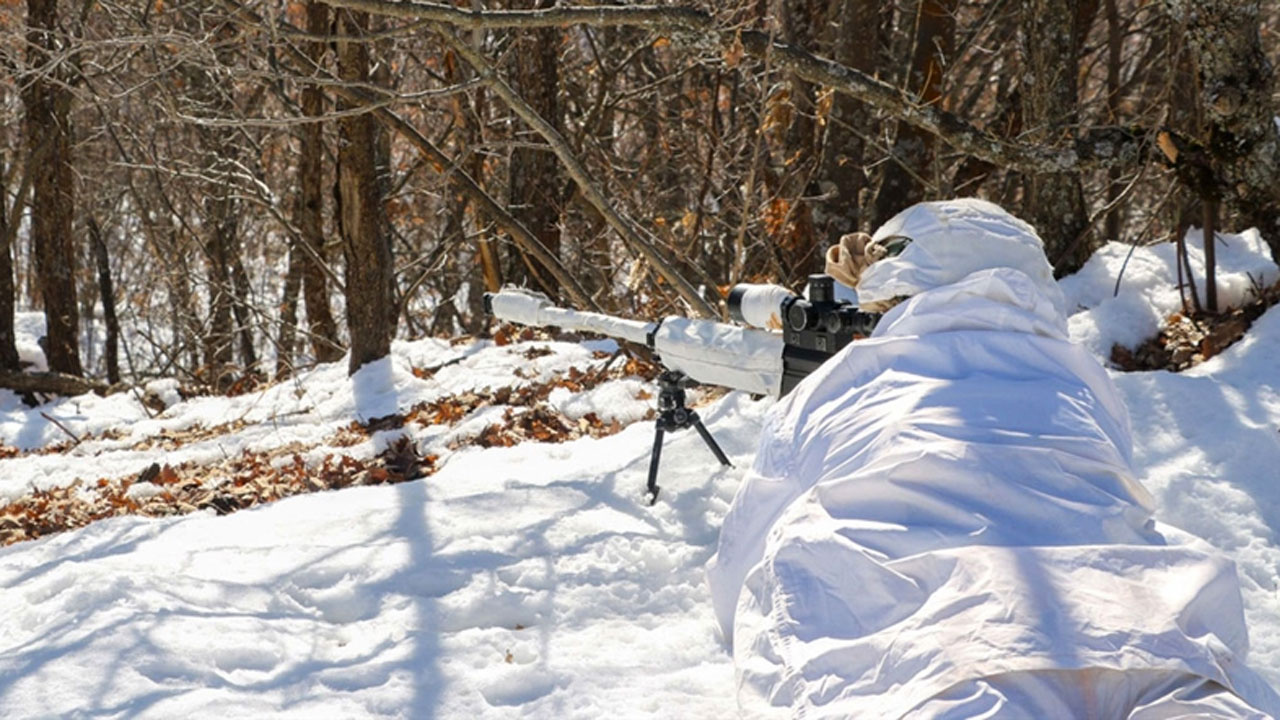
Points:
point(230, 190)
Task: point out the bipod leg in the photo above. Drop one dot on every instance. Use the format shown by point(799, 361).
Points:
point(710, 441)
point(654, 458)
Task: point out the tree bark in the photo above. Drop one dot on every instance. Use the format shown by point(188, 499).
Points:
point(9, 217)
point(107, 290)
point(1236, 82)
point(49, 382)
point(1115, 40)
point(242, 307)
point(219, 341)
point(535, 180)
point(855, 42)
point(287, 343)
point(320, 322)
point(365, 247)
point(904, 181)
point(469, 109)
point(48, 120)
point(1054, 201)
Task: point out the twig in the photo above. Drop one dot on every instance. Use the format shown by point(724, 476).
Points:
point(590, 191)
point(1099, 148)
point(63, 428)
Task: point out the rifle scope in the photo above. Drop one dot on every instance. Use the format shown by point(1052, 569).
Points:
point(813, 328)
point(775, 308)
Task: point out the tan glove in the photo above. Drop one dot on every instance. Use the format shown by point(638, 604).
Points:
point(854, 253)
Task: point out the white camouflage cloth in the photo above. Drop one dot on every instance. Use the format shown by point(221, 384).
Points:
point(942, 522)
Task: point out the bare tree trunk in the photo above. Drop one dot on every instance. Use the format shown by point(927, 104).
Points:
point(1115, 39)
point(1054, 202)
point(366, 250)
point(1236, 92)
point(107, 291)
point(9, 359)
point(535, 174)
point(242, 308)
point(289, 313)
point(320, 322)
point(219, 341)
point(48, 119)
point(855, 41)
point(469, 109)
point(904, 182)
point(8, 339)
point(791, 126)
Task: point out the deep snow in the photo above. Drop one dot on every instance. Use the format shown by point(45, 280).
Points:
point(528, 581)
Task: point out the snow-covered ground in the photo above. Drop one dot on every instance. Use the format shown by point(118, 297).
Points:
point(525, 581)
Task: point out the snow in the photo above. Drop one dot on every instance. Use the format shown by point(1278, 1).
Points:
point(1148, 287)
point(528, 581)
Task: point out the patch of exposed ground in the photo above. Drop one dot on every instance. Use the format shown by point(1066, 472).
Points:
point(1189, 339)
point(254, 478)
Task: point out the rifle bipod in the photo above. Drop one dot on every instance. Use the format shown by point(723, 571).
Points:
point(672, 416)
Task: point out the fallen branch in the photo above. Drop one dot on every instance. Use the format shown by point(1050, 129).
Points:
point(50, 383)
point(75, 438)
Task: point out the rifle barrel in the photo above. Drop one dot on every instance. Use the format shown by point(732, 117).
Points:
point(709, 352)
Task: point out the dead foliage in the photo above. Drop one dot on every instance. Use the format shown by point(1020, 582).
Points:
point(1186, 341)
point(540, 424)
point(448, 410)
point(253, 478)
point(234, 484)
point(508, 333)
point(163, 440)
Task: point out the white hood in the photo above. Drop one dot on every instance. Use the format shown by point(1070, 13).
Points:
point(951, 239)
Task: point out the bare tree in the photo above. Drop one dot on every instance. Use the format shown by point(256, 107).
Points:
point(638, 158)
point(1050, 110)
point(1240, 159)
point(49, 138)
point(311, 175)
point(370, 301)
point(910, 171)
point(535, 179)
point(15, 187)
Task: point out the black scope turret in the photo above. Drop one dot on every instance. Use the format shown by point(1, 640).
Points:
point(813, 328)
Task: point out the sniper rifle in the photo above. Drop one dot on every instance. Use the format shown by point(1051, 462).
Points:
point(789, 336)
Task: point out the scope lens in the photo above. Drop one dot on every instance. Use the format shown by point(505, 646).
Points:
point(798, 315)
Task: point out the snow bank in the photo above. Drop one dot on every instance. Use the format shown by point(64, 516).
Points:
point(1148, 286)
point(529, 580)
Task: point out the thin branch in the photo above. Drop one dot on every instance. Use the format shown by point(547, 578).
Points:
point(670, 18)
point(292, 121)
point(1096, 149)
point(578, 172)
point(464, 183)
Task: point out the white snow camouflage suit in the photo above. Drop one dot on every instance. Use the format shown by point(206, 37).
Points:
point(942, 521)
